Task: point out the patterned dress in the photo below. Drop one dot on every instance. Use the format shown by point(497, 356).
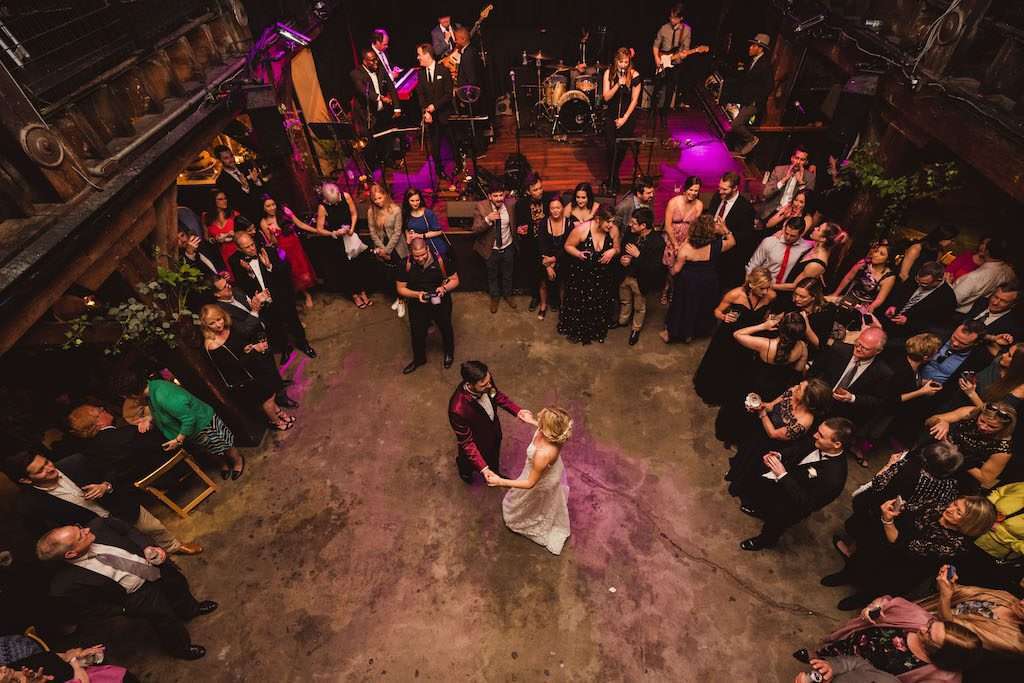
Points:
point(589, 297)
point(886, 649)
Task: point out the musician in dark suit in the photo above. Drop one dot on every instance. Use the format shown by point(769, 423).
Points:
point(806, 478)
point(76, 493)
point(751, 90)
point(375, 104)
point(738, 213)
point(242, 184)
point(473, 414)
point(110, 569)
point(260, 271)
point(434, 94)
point(859, 378)
point(923, 304)
point(442, 37)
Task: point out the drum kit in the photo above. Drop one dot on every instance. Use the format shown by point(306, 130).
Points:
point(568, 101)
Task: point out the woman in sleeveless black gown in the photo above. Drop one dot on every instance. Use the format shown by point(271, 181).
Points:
point(779, 363)
point(726, 364)
point(695, 283)
point(334, 213)
point(587, 302)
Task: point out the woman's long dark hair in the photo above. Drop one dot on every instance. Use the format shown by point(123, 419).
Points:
point(1013, 378)
point(791, 330)
point(406, 209)
point(589, 190)
point(815, 289)
point(279, 215)
point(212, 212)
point(936, 235)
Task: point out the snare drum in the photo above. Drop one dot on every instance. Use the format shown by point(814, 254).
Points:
point(553, 89)
point(574, 111)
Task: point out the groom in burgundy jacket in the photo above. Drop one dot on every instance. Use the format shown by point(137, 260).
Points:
point(472, 412)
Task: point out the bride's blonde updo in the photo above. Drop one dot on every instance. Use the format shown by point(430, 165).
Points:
point(555, 424)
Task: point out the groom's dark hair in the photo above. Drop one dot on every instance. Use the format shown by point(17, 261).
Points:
point(473, 371)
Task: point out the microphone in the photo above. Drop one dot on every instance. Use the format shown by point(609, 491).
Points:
point(512, 74)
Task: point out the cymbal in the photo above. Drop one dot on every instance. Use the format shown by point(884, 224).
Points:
point(541, 56)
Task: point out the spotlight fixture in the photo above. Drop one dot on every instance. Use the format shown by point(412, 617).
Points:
point(291, 35)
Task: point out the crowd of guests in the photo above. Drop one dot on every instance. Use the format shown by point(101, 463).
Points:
point(909, 358)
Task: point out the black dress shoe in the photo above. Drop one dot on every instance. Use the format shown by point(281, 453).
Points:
point(205, 607)
point(837, 579)
point(634, 337)
point(411, 367)
point(286, 353)
point(193, 653)
point(448, 360)
point(308, 350)
point(755, 543)
point(468, 478)
point(534, 302)
point(286, 402)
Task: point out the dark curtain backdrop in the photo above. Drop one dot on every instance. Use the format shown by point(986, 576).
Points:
point(516, 26)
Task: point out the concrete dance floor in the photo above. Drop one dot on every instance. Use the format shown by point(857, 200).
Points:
point(351, 551)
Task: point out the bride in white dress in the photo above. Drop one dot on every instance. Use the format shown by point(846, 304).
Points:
point(538, 504)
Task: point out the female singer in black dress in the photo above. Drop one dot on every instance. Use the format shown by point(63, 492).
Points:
point(726, 364)
point(592, 248)
point(554, 230)
point(695, 280)
point(621, 95)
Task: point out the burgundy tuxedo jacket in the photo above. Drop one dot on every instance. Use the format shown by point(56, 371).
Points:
point(478, 436)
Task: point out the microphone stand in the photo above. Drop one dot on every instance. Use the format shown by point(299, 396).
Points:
point(515, 99)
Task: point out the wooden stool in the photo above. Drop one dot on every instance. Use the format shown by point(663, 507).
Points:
point(147, 483)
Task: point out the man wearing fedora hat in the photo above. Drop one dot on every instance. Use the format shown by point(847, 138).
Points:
point(754, 85)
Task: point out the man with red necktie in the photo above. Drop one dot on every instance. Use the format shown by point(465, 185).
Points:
point(781, 251)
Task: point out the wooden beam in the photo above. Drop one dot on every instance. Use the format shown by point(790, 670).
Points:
point(49, 291)
point(165, 233)
point(978, 141)
point(130, 240)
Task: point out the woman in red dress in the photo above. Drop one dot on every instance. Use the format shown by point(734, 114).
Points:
point(220, 223)
point(278, 227)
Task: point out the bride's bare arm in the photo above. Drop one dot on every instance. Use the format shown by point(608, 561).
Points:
point(544, 456)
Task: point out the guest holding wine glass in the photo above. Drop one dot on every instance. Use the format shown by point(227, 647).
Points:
point(868, 283)
point(554, 230)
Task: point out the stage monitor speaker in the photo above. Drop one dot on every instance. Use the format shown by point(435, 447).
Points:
point(460, 214)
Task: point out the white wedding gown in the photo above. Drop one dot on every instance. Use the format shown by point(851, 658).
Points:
point(541, 513)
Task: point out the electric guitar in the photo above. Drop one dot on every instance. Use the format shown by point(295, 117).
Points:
point(669, 59)
point(452, 59)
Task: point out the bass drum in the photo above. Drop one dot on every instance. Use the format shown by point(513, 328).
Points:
point(574, 112)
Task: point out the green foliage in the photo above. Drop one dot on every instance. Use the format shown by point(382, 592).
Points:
point(866, 171)
point(153, 319)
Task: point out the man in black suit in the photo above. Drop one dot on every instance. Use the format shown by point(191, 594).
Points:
point(792, 486)
point(110, 569)
point(241, 184)
point(121, 455)
point(375, 105)
point(858, 376)
point(923, 304)
point(259, 271)
point(76, 493)
point(751, 90)
point(998, 313)
point(442, 37)
point(730, 206)
point(245, 318)
point(434, 94)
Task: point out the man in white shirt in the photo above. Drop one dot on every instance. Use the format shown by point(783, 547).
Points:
point(442, 36)
point(780, 253)
point(380, 41)
point(110, 569)
point(984, 279)
point(785, 181)
point(494, 222)
point(54, 496)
